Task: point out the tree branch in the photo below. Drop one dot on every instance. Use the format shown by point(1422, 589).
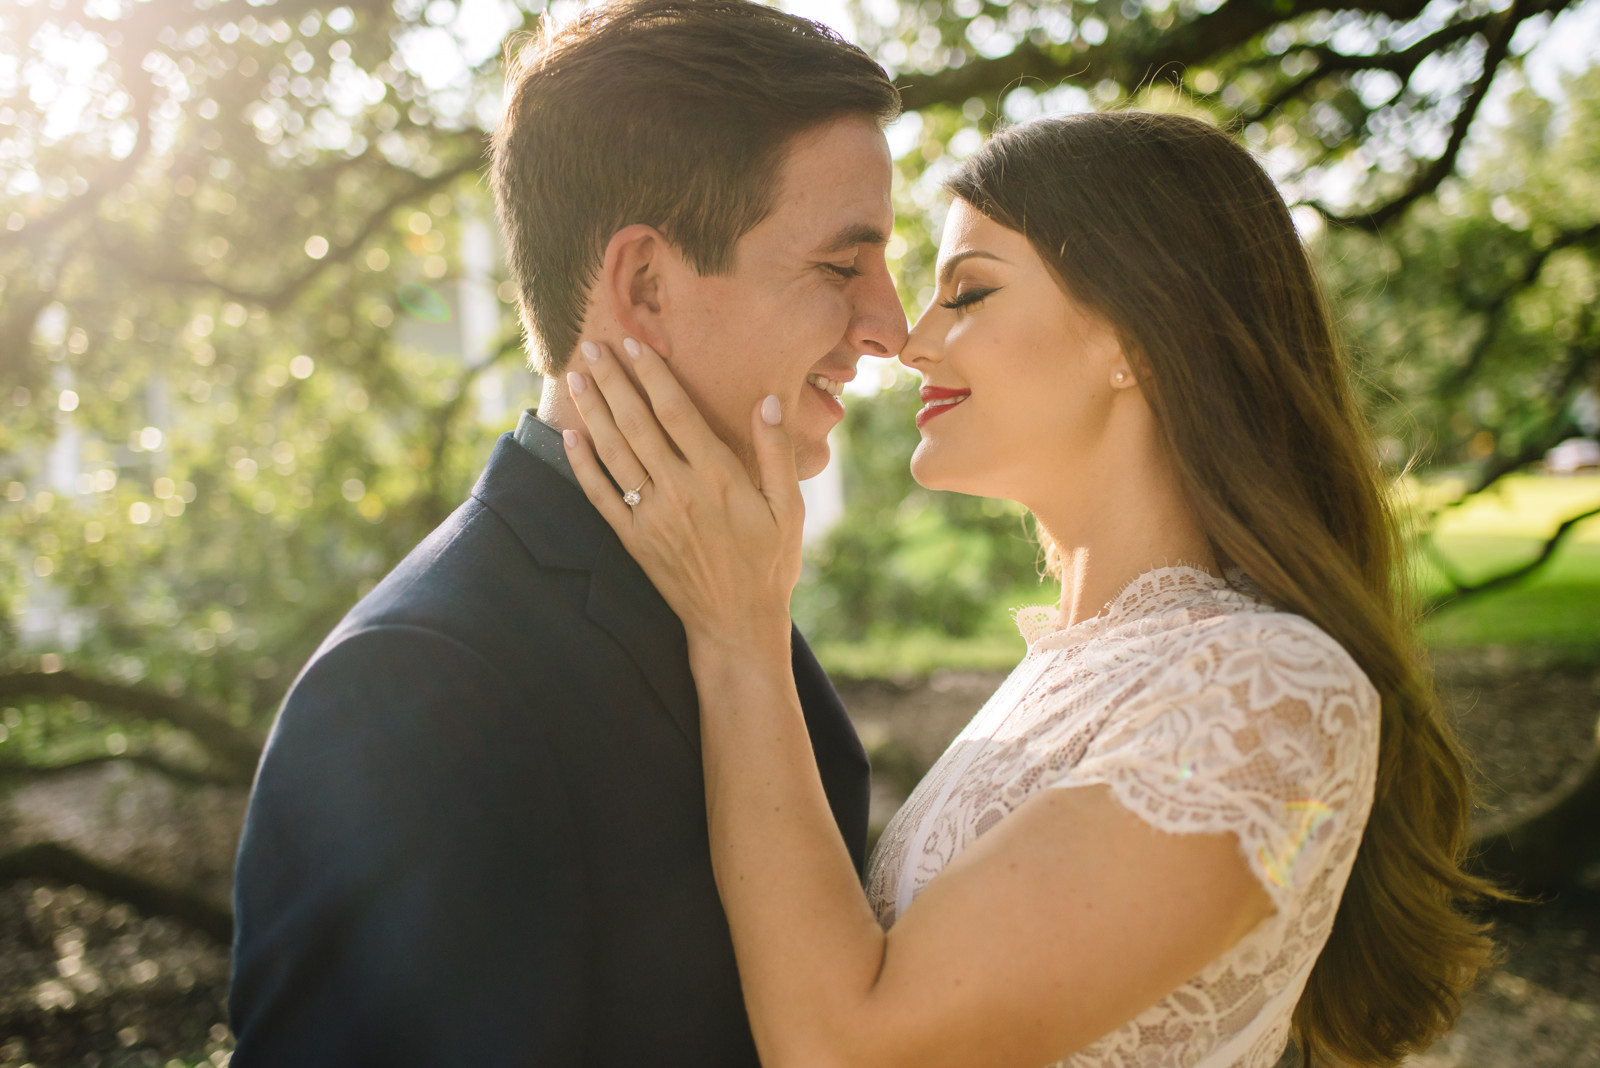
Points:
point(1494, 310)
point(55, 863)
point(279, 297)
point(1516, 574)
point(37, 231)
point(1200, 39)
point(1402, 63)
point(237, 748)
point(1440, 169)
point(1557, 427)
point(18, 769)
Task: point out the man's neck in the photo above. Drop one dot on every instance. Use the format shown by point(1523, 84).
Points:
point(555, 405)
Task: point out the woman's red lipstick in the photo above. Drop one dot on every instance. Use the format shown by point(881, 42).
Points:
point(938, 400)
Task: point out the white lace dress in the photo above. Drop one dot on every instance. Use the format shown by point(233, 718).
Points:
point(1204, 710)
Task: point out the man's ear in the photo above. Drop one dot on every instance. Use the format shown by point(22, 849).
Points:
point(635, 278)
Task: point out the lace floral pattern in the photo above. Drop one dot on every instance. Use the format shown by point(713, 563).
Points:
point(1204, 710)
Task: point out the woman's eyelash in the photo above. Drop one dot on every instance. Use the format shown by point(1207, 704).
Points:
point(965, 299)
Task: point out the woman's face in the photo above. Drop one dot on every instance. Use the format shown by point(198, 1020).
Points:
point(1019, 379)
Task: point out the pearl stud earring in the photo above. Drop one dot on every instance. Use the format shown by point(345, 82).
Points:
point(1119, 377)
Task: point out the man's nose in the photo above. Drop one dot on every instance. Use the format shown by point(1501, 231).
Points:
point(879, 324)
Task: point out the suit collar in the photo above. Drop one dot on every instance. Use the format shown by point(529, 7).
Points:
point(560, 529)
point(544, 441)
point(551, 517)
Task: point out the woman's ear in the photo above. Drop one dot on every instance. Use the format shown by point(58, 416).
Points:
point(1128, 367)
point(635, 276)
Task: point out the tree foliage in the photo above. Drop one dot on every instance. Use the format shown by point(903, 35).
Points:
point(1474, 317)
point(219, 430)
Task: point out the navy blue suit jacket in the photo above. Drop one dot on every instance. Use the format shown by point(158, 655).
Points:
point(478, 832)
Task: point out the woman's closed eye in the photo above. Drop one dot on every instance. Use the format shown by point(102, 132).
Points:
point(966, 298)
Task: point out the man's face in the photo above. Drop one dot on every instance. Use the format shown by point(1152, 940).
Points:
point(808, 295)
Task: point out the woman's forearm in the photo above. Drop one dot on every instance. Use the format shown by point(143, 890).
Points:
point(808, 946)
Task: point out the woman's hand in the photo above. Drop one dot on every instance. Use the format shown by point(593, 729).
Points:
point(723, 551)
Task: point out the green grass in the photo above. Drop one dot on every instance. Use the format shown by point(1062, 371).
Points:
point(891, 652)
point(1518, 506)
point(1559, 606)
point(1502, 528)
point(918, 653)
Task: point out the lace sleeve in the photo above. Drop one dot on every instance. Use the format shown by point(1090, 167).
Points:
point(1263, 727)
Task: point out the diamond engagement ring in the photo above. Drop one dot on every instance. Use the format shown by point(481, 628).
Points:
point(631, 498)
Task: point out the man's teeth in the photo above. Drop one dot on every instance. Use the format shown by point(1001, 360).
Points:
point(827, 385)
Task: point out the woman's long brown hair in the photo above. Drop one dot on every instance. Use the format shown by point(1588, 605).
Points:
point(1174, 233)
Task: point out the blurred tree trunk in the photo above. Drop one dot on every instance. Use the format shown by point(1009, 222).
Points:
point(1545, 848)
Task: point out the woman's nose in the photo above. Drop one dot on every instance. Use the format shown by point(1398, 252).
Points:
point(919, 347)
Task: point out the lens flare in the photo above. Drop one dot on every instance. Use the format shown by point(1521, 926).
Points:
point(1308, 815)
point(423, 302)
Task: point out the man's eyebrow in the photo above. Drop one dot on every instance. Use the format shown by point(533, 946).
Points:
point(948, 267)
point(851, 236)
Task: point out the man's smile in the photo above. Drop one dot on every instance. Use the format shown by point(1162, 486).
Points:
point(831, 386)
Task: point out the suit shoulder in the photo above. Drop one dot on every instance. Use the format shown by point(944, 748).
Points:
point(471, 580)
point(400, 674)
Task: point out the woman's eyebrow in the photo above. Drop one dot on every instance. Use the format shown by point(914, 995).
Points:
point(948, 267)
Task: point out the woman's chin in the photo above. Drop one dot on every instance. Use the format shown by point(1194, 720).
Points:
point(932, 472)
point(922, 470)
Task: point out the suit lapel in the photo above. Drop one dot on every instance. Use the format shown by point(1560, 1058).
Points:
point(560, 529)
point(623, 602)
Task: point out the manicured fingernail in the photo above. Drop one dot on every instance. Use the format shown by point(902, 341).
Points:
point(575, 383)
point(631, 347)
point(590, 350)
point(771, 411)
point(570, 437)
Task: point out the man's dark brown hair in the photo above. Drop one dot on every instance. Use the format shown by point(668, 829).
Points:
point(671, 113)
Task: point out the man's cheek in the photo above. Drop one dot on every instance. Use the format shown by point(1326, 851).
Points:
point(820, 325)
